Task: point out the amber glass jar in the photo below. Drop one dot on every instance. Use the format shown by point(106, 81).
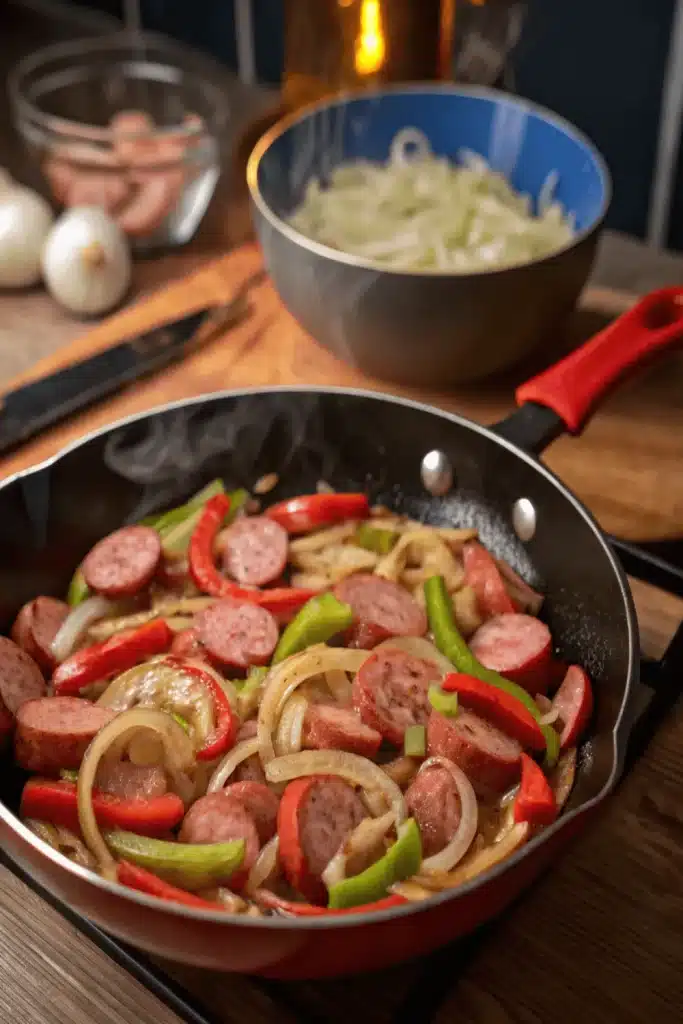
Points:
point(334, 45)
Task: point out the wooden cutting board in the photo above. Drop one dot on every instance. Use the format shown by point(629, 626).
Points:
point(626, 465)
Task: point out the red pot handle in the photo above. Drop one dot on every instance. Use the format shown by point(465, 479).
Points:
point(574, 386)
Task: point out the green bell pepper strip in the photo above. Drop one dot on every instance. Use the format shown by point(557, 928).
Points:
point(448, 639)
point(78, 590)
point(191, 866)
point(182, 722)
point(380, 541)
point(444, 703)
point(401, 860)
point(318, 621)
point(552, 748)
point(415, 741)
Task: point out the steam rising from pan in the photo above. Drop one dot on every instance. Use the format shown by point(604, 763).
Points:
point(173, 454)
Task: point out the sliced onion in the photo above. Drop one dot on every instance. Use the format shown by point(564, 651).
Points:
point(145, 749)
point(264, 866)
point(77, 623)
point(477, 862)
point(551, 717)
point(355, 769)
point(339, 686)
point(123, 691)
point(362, 842)
point(283, 680)
point(234, 757)
point(178, 759)
point(419, 647)
point(323, 538)
point(459, 844)
point(410, 891)
point(289, 736)
point(375, 802)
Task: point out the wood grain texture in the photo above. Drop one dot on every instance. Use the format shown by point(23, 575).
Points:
point(599, 936)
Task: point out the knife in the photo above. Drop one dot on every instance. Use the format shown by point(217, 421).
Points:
point(28, 410)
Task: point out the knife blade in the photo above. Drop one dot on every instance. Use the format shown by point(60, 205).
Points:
point(32, 408)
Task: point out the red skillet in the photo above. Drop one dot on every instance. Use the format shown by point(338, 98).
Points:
point(353, 439)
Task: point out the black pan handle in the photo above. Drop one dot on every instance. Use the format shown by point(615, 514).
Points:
point(563, 397)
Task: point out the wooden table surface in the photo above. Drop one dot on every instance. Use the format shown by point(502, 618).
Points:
point(600, 936)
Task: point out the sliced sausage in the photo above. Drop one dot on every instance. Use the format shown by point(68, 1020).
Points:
point(574, 701)
point(60, 177)
point(20, 677)
point(155, 197)
point(133, 135)
point(255, 550)
point(333, 728)
point(129, 781)
point(383, 605)
point(250, 770)
point(123, 563)
point(188, 645)
point(36, 626)
point(489, 758)
point(237, 635)
point(107, 189)
point(218, 818)
point(485, 579)
point(433, 800)
point(364, 636)
point(390, 692)
point(261, 803)
point(315, 816)
point(54, 732)
point(519, 647)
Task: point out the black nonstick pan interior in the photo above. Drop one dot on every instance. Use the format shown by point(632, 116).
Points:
point(50, 517)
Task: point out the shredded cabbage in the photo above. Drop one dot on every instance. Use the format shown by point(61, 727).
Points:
point(419, 211)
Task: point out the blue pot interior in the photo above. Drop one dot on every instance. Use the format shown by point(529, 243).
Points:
point(522, 142)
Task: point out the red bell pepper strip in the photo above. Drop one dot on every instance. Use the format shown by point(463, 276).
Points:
point(574, 702)
point(145, 881)
point(311, 511)
point(291, 908)
point(498, 706)
point(120, 652)
point(205, 575)
point(535, 801)
point(226, 721)
point(483, 575)
point(56, 801)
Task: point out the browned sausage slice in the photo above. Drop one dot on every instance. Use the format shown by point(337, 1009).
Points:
point(488, 757)
point(20, 677)
point(382, 605)
point(123, 563)
point(238, 635)
point(315, 816)
point(36, 626)
point(519, 647)
point(434, 802)
point(390, 692)
point(129, 781)
point(332, 728)
point(54, 732)
point(261, 803)
point(255, 550)
point(219, 818)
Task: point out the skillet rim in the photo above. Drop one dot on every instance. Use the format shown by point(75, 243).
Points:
point(353, 920)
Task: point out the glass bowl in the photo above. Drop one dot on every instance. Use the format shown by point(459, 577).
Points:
point(129, 123)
